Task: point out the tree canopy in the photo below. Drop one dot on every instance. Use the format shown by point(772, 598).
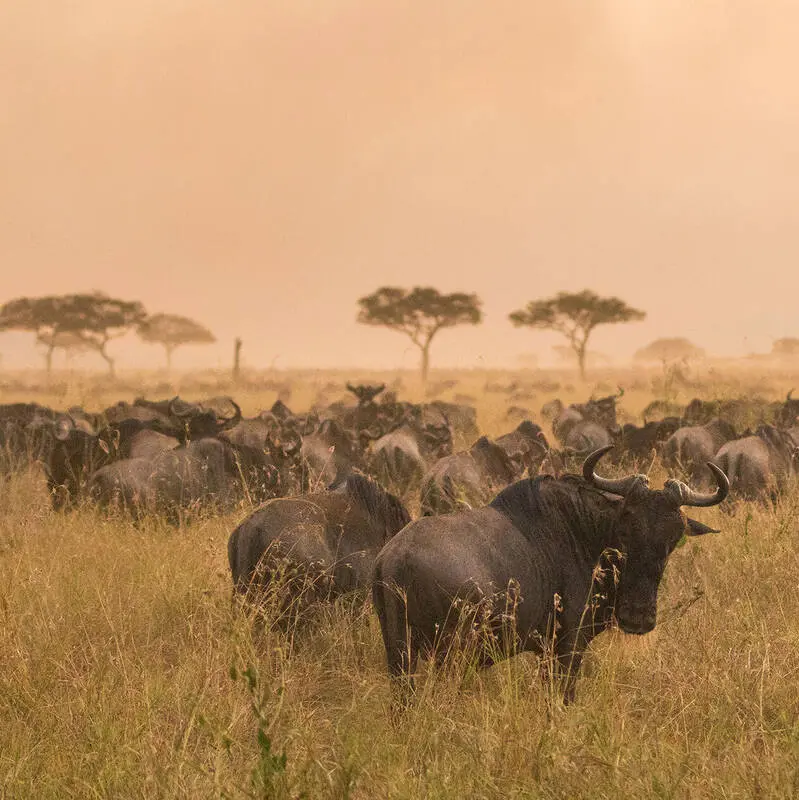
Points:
point(172, 331)
point(575, 316)
point(420, 313)
point(67, 320)
point(670, 349)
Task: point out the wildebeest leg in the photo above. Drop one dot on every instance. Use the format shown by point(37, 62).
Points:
point(402, 650)
point(567, 661)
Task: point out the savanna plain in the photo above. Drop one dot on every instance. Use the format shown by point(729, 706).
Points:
point(126, 672)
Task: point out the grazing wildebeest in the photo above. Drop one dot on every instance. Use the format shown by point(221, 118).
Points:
point(691, 447)
point(525, 445)
point(542, 559)
point(467, 479)
point(759, 465)
point(634, 444)
point(787, 415)
point(323, 544)
point(461, 418)
point(585, 436)
point(330, 451)
point(400, 458)
point(601, 412)
point(25, 435)
point(207, 473)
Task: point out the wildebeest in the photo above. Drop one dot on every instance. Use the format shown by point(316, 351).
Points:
point(759, 465)
point(329, 451)
point(601, 412)
point(207, 473)
point(467, 479)
point(634, 444)
point(548, 560)
point(25, 430)
point(525, 445)
point(322, 544)
point(690, 448)
point(400, 458)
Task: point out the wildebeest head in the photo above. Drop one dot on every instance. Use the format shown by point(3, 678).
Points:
point(200, 420)
point(365, 393)
point(648, 527)
point(75, 454)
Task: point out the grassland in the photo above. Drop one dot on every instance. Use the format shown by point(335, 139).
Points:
point(125, 672)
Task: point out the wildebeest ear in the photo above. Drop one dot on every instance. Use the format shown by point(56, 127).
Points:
point(698, 528)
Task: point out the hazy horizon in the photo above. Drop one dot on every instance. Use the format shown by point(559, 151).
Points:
point(260, 167)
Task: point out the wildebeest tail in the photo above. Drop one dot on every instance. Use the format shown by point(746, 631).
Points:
point(391, 612)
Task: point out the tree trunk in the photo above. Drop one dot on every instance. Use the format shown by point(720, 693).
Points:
point(48, 358)
point(237, 359)
point(581, 352)
point(108, 360)
point(425, 362)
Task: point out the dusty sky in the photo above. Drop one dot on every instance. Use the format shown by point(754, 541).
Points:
point(258, 165)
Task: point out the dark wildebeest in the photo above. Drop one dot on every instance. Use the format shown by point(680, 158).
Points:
point(526, 446)
point(400, 458)
point(601, 412)
point(690, 448)
point(536, 566)
point(759, 465)
point(787, 415)
point(330, 451)
point(467, 479)
point(322, 544)
point(462, 421)
point(25, 435)
point(636, 444)
point(207, 473)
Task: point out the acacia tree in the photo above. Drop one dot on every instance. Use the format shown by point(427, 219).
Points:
point(88, 320)
point(575, 316)
point(172, 331)
point(674, 349)
point(419, 313)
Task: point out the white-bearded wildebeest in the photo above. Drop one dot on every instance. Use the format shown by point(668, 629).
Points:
point(320, 545)
point(544, 553)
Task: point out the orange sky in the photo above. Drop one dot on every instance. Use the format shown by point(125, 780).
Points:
point(259, 165)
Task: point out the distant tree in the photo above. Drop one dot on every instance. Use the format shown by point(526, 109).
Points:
point(786, 347)
point(593, 358)
point(172, 331)
point(72, 343)
point(92, 320)
point(575, 316)
point(419, 313)
point(667, 350)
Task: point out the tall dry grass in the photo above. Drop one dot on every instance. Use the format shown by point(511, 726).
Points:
point(126, 672)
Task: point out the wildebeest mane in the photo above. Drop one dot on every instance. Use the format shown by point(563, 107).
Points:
point(383, 508)
point(561, 508)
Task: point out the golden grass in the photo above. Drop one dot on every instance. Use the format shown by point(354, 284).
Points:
point(126, 672)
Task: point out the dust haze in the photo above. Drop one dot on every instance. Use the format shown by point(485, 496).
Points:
point(260, 165)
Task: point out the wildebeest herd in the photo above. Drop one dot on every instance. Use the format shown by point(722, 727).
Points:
point(520, 543)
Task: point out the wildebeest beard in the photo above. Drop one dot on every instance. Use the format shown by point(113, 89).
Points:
point(594, 526)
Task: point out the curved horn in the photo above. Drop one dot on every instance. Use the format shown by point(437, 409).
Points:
point(620, 486)
point(234, 420)
point(188, 412)
point(688, 497)
point(789, 397)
